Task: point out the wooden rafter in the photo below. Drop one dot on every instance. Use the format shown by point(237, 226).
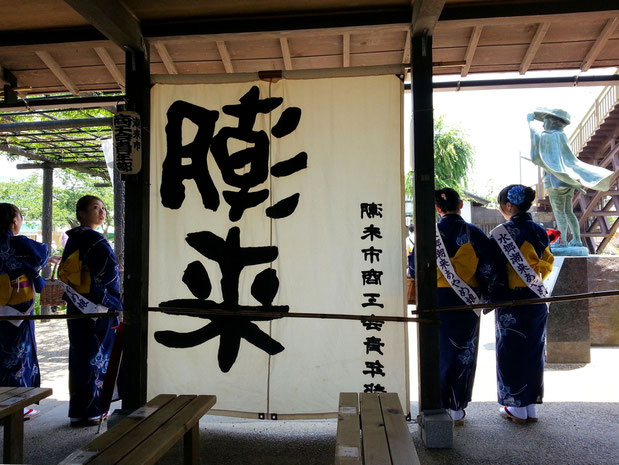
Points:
point(599, 44)
point(111, 66)
point(165, 57)
point(283, 42)
point(346, 50)
point(470, 50)
point(425, 16)
point(540, 33)
point(113, 19)
point(58, 71)
point(406, 56)
point(225, 56)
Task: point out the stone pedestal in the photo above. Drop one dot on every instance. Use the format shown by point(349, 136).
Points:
point(436, 429)
point(603, 274)
point(568, 338)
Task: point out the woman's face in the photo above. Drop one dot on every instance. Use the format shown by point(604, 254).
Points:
point(94, 215)
point(17, 222)
point(507, 210)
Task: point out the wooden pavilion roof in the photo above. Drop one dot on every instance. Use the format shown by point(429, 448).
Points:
point(47, 46)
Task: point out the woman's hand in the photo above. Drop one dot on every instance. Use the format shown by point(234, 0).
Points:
point(530, 117)
point(55, 259)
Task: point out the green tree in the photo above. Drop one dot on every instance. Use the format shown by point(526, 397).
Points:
point(453, 155)
point(69, 186)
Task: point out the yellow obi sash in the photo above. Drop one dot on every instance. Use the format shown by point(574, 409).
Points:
point(541, 266)
point(74, 273)
point(17, 291)
point(465, 264)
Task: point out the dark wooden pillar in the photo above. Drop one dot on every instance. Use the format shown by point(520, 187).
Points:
point(136, 240)
point(425, 219)
point(46, 221)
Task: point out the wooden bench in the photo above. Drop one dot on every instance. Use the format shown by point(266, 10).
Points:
point(13, 400)
point(372, 430)
point(145, 435)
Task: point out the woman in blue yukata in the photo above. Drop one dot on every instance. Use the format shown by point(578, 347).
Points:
point(90, 268)
point(520, 330)
point(21, 260)
point(463, 255)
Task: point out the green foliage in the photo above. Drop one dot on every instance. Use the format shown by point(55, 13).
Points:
point(69, 186)
point(453, 155)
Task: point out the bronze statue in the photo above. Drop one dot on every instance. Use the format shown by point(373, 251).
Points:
point(564, 173)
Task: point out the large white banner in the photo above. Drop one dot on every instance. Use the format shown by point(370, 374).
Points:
point(280, 197)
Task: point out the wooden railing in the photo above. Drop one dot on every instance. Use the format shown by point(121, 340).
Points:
point(596, 115)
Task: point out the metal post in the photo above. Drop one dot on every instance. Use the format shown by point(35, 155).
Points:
point(435, 424)
point(46, 223)
point(136, 234)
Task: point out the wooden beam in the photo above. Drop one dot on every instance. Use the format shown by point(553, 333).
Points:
point(61, 164)
point(113, 19)
point(110, 65)
point(425, 16)
point(58, 71)
point(35, 156)
point(165, 57)
point(542, 28)
point(283, 42)
point(406, 56)
point(225, 56)
point(449, 22)
point(470, 50)
point(346, 50)
point(599, 44)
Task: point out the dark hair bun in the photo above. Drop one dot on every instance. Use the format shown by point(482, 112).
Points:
point(518, 195)
point(447, 199)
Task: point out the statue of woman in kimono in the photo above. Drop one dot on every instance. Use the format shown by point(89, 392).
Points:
point(565, 173)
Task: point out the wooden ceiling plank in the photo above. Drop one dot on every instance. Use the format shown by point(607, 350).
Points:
point(283, 41)
point(599, 44)
point(346, 50)
point(113, 19)
point(225, 56)
point(165, 57)
point(542, 28)
point(470, 50)
point(406, 56)
point(110, 65)
point(58, 71)
point(425, 16)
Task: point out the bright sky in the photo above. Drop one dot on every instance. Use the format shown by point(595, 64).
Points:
point(496, 125)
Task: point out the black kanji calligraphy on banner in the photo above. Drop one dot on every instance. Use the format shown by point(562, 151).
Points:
point(260, 193)
point(231, 258)
point(253, 160)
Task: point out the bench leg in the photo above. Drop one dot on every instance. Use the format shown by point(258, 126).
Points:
point(192, 446)
point(14, 438)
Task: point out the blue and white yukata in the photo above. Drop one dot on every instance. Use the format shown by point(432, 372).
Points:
point(521, 330)
point(89, 266)
point(21, 260)
point(469, 252)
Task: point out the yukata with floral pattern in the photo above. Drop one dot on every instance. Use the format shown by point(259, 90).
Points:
point(469, 252)
point(21, 260)
point(521, 330)
point(89, 266)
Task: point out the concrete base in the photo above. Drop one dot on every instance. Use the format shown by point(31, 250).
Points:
point(436, 429)
point(568, 337)
point(569, 251)
point(568, 352)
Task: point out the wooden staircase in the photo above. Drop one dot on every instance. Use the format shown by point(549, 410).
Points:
point(596, 141)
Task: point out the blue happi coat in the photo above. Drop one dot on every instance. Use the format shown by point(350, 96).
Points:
point(469, 252)
point(21, 260)
point(520, 331)
point(90, 267)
